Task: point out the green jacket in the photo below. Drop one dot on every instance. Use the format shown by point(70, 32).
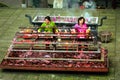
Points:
point(49, 27)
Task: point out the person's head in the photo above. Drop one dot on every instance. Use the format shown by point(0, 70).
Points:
point(81, 20)
point(47, 19)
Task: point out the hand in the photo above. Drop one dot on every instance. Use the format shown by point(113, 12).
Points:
point(46, 26)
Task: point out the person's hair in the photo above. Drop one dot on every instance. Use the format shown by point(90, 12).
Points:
point(48, 18)
point(80, 18)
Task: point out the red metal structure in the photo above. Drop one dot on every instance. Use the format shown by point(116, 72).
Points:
point(59, 51)
point(39, 51)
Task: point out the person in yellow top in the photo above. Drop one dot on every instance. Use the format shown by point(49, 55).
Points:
point(47, 25)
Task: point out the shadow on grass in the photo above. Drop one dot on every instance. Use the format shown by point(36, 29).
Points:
point(55, 72)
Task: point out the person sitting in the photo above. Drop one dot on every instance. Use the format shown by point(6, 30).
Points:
point(81, 27)
point(47, 25)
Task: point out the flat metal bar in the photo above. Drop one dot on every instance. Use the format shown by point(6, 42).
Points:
point(61, 51)
point(65, 59)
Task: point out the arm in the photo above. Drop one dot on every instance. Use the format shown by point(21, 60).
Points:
point(39, 30)
point(76, 27)
point(55, 29)
point(42, 27)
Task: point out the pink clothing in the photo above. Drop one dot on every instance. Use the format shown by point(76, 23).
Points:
point(80, 29)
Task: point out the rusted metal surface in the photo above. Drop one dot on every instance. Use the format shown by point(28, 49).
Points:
point(40, 51)
point(56, 69)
